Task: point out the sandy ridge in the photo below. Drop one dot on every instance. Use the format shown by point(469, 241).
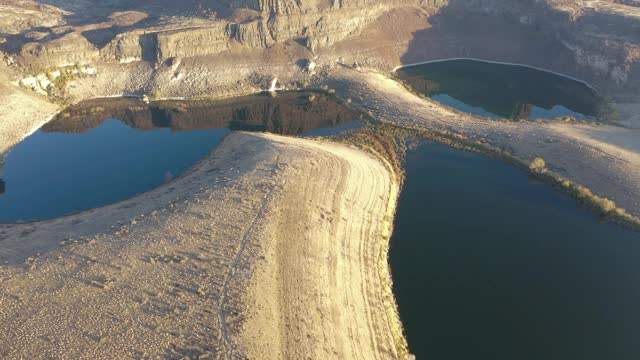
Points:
point(321, 268)
point(603, 158)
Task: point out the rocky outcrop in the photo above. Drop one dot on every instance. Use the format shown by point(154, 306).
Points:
point(126, 47)
point(323, 29)
point(597, 41)
point(253, 34)
point(315, 24)
point(609, 45)
point(192, 42)
point(70, 49)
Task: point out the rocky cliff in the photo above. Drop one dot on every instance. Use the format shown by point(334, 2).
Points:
point(598, 41)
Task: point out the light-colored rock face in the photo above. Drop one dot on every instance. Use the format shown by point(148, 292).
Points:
point(290, 7)
point(597, 41)
point(69, 49)
point(314, 23)
point(192, 42)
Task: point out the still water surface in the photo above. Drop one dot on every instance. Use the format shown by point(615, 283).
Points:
point(488, 265)
point(502, 91)
point(104, 151)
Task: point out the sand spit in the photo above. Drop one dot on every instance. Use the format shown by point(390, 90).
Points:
point(273, 247)
point(604, 158)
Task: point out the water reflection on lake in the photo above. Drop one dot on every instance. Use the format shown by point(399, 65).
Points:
point(102, 151)
point(502, 91)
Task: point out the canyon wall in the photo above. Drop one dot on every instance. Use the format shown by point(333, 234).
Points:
point(313, 23)
point(597, 41)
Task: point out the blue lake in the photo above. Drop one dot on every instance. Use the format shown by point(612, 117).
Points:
point(103, 151)
point(502, 91)
point(487, 264)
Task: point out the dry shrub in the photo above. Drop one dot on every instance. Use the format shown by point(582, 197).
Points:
point(538, 165)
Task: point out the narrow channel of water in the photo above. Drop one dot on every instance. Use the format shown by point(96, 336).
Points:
point(103, 151)
point(489, 265)
point(502, 91)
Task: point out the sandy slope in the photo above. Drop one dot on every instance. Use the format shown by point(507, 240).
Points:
point(604, 158)
point(271, 248)
point(323, 293)
point(22, 112)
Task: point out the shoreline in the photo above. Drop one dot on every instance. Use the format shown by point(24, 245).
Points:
point(32, 247)
point(571, 150)
point(247, 192)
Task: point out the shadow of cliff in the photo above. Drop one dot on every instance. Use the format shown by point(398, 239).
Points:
point(524, 32)
point(507, 91)
point(456, 33)
point(93, 11)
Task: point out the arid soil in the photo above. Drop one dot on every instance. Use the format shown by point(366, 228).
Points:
point(273, 247)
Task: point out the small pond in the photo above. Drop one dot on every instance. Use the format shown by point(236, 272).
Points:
point(488, 264)
point(103, 151)
point(502, 91)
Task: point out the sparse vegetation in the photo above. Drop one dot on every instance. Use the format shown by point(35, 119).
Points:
point(392, 141)
point(155, 95)
point(603, 206)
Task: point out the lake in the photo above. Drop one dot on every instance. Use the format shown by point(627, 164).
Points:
point(487, 264)
point(103, 151)
point(502, 91)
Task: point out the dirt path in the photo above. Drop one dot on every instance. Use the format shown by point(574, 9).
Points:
point(318, 272)
point(272, 248)
point(603, 158)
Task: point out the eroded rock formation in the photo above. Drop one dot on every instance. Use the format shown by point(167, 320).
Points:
point(191, 49)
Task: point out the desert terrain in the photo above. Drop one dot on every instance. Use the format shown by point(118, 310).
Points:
point(274, 247)
point(222, 263)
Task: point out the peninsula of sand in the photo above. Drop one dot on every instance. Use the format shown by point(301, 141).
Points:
point(275, 247)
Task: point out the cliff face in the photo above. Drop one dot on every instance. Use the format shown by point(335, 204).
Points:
point(191, 42)
point(315, 24)
point(602, 35)
point(598, 41)
point(66, 50)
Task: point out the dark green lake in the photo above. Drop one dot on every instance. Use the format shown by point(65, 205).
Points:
point(489, 265)
point(502, 91)
point(103, 151)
